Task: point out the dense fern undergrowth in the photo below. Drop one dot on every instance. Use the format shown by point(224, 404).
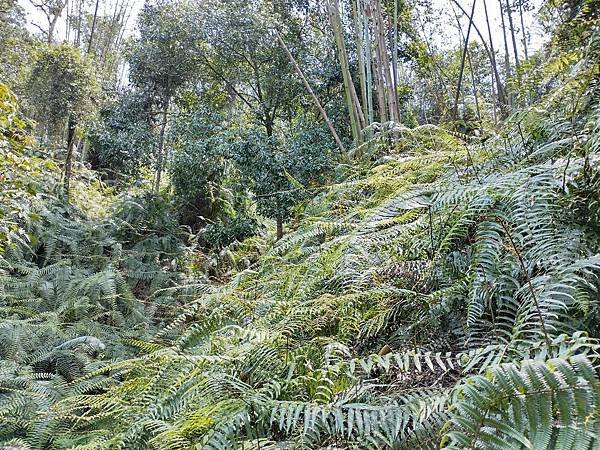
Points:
point(445, 293)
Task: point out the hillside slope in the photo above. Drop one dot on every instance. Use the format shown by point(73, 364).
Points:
point(446, 294)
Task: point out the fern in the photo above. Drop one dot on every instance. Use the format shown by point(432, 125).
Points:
point(536, 404)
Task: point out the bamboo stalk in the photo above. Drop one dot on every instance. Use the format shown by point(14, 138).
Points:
point(506, 53)
point(382, 104)
point(389, 91)
point(312, 94)
point(395, 48)
point(489, 52)
point(368, 65)
point(351, 97)
point(89, 48)
point(360, 56)
point(469, 61)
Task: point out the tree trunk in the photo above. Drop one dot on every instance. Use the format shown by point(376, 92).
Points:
point(523, 30)
point(512, 34)
point(495, 75)
point(506, 52)
point(491, 56)
point(360, 56)
point(51, 26)
point(379, 89)
point(71, 126)
point(53, 14)
point(354, 108)
point(79, 20)
point(268, 124)
point(394, 48)
point(494, 109)
point(82, 150)
point(93, 27)
point(161, 149)
point(390, 93)
point(368, 65)
point(379, 70)
point(67, 24)
point(462, 62)
point(473, 83)
point(279, 228)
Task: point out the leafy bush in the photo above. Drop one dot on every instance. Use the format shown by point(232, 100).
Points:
point(74, 283)
point(61, 84)
point(121, 140)
point(220, 235)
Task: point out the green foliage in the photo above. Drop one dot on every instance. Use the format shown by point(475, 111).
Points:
point(429, 300)
point(517, 406)
point(121, 139)
point(281, 175)
point(214, 167)
point(260, 161)
point(221, 235)
point(165, 54)
point(242, 60)
point(61, 83)
point(24, 173)
point(438, 291)
point(13, 127)
point(15, 41)
point(73, 285)
point(200, 170)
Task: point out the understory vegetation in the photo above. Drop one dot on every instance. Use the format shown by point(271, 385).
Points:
point(203, 262)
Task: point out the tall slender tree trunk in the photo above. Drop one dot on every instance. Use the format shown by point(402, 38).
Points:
point(81, 150)
point(125, 19)
point(67, 24)
point(394, 48)
point(506, 53)
point(512, 34)
point(51, 27)
point(390, 93)
point(161, 150)
point(494, 93)
point(360, 56)
point(71, 127)
point(112, 32)
point(354, 108)
point(491, 57)
point(79, 20)
point(462, 62)
point(53, 14)
point(495, 75)
point(378, 79)
point(523, 30)
point(368, 62)
point(473, 83)
point(89, 48)
point(379, 86)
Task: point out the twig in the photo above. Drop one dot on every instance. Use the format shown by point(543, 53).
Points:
point(530, 284)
